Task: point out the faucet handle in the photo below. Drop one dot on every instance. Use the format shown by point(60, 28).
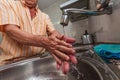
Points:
point(105, 5)
point(102, 4)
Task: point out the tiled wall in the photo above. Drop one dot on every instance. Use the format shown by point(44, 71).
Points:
point(108, 26)
point(74, 30)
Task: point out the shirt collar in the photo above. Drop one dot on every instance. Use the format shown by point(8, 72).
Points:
point(23, 3)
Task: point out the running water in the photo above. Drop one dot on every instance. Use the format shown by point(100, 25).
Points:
point(64, 33)
point(64, 30)
point(79, 75)
point(74, 70)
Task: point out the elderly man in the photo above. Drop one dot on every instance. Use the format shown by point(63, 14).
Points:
point(28, 32)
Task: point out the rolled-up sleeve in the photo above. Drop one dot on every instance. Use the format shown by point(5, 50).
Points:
point(7, 15)
point(50, 26)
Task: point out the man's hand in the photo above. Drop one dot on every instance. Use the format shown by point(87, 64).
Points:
point(64, 54)
point(101, 6)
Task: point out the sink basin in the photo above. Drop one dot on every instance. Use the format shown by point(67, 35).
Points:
point(45, 69)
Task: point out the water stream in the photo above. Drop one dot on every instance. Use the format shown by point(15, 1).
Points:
point(76, 73)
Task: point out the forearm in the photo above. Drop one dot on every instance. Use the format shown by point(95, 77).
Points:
point(23, 37)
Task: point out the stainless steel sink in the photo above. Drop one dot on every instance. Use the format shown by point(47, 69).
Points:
point(45, 69)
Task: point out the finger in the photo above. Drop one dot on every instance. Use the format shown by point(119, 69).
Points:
point(98, 6)
point(73, 59)
point(61, 55)
point(62, 37)
point(61, 42)
point(69, 40)
point(65, 67)
point(66, 49)
point(57, 59)
point(58, 66)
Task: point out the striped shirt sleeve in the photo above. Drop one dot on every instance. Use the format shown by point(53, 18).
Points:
point(7, 15)
point(49, 24)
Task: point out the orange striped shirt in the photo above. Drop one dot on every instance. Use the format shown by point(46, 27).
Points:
point(15, 12)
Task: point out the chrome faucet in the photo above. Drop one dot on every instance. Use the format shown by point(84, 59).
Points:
point(66, 13)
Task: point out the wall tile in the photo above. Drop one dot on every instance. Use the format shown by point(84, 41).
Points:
point(109, 23)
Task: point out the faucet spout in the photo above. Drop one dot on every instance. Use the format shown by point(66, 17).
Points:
point(65, 13)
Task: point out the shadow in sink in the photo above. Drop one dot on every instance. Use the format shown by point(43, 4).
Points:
point(45, 69)
point(83, 71)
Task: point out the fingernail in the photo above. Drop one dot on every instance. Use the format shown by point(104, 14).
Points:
point(67, 58)
point(62, 37)
point(73, 51)
point(70, 45)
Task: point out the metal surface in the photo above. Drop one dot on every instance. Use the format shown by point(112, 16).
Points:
point(45, 69)
point(74, 13)
point(75, 4)
point(68, 12)
point(32, 69)
point(87, 39)
point(64, 20)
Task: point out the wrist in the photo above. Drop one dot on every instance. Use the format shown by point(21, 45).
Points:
point(40, 40)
